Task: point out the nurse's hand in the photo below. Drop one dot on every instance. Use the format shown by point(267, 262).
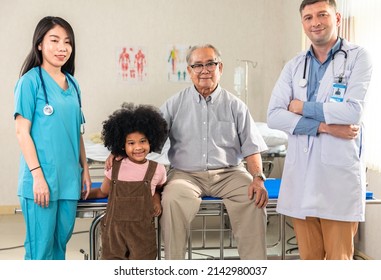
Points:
point(40, 189)
point(108, 163)
point(258, 192)
point(296, 106)
point(109, 160)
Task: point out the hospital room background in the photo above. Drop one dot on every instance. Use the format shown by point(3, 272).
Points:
point(256, 38)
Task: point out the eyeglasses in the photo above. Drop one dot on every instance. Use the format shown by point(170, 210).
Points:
point(210, 66)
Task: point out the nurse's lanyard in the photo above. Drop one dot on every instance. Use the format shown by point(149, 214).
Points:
point(303, 82)
point(48, 109)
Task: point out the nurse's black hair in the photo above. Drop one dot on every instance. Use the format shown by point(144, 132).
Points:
point(34, 57)
point(145, 119)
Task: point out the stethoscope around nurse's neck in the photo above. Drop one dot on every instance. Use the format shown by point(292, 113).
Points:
point(48, 109)
point(303, 82)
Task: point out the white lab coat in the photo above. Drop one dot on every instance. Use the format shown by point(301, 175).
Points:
point(323, 176)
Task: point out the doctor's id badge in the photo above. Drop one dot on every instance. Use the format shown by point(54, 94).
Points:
point(338, 92)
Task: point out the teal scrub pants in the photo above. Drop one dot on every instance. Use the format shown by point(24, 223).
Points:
point(48, 230)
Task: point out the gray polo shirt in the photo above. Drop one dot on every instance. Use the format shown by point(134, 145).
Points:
point(212, 133)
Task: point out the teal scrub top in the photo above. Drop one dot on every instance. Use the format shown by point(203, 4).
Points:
point(56, 137)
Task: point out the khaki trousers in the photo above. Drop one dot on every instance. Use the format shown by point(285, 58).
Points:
point(181, 200)
point(320, 239)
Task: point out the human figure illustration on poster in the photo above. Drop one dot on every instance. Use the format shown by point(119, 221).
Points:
point(177, 66)
point(173, 57)
point(132, 64)
point(140, 61)
point(124, 62)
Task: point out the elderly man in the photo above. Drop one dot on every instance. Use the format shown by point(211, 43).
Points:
point(211, 132)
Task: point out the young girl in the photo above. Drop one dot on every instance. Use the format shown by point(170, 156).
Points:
point(53, 163)
point(133, 183)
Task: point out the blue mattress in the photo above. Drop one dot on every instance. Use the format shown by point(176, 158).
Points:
point(95, 185)
point(369, 195)
point(272, 185)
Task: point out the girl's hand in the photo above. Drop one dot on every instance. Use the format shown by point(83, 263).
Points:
point(157, 210)
point(156, 205)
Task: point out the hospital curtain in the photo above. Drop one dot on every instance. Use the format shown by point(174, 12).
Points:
point(347, 27)
point(367, 34)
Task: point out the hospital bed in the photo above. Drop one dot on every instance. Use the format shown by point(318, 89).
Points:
point(276, 141)
point(95, 209)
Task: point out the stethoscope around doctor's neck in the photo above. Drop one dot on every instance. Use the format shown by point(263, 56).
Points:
point(48, 109)
point(303, 82)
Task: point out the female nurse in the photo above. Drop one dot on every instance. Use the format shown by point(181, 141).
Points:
point(48, 116)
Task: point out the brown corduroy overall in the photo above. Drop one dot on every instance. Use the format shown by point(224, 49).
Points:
point(128, 229)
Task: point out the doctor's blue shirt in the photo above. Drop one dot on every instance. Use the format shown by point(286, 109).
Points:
point(313, 113)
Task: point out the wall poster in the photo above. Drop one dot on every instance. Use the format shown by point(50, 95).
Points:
point(132, 64)
point(176, 63)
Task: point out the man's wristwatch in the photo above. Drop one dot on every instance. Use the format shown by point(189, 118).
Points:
point(260, 175)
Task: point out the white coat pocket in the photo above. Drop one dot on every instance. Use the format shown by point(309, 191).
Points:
point(338, 152)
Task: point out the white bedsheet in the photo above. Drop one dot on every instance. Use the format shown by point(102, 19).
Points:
point(272, 137)
point(96, 151)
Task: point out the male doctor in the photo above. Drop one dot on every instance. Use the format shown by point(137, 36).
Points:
point(319, 101)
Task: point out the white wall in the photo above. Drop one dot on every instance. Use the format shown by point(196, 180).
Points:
point(256, 30)
point(267, 32)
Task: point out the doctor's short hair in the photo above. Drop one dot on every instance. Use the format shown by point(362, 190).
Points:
point(305, 3)
point(131, 118)
point(205, 46)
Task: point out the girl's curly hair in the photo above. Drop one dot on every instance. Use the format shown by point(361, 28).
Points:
point(145, 119)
